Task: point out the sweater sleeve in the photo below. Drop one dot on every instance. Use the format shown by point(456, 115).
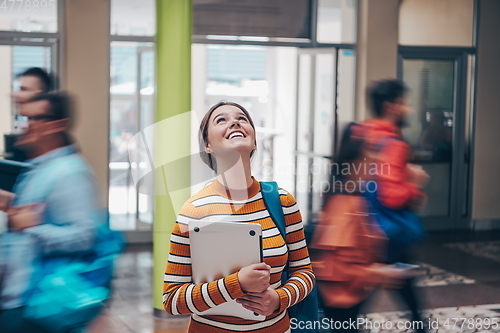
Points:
point(300, 275)
point(180, 294)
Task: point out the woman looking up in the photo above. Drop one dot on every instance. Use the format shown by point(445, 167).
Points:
point(227, 143)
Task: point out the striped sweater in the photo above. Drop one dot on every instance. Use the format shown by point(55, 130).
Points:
point(182, 296)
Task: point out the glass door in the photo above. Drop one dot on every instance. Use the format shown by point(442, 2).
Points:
point(131, 110)
point(325, 90)
point(438, 93)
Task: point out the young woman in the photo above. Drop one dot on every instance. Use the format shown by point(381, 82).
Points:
point(348, 245)
point(227, 143)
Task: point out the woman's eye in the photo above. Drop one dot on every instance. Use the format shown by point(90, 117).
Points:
point(219, 120)
point(242, 118)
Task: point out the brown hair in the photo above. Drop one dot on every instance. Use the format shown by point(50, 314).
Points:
point(203, 134)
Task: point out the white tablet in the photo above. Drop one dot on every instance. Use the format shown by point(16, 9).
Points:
point(219, 249)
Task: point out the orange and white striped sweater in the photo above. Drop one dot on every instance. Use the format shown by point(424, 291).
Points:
point(182, 296)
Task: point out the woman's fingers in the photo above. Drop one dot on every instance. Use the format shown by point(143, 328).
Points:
point(249, 303)
point(250, 297)
point(253, 309)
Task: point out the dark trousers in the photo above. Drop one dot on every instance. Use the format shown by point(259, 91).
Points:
point(407, 291)
point(341, 316)
point(408, 295)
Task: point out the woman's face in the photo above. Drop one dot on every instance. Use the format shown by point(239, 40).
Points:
point(230, 128)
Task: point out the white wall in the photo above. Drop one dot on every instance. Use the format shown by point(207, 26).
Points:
point(436, 22)
point(86, 75)
point(377, 49)
point(486, 188)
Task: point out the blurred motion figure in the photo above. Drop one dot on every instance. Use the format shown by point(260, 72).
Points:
point(50, 211)
point(348, 246)
point(399, 185)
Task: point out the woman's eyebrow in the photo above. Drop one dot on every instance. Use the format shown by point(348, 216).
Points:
point(220, 114)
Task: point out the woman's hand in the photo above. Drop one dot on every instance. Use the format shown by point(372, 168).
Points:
point(255, 278)
point(264, 303)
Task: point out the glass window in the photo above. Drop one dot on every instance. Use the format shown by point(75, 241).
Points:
point(447, 22)
point(133, 18)
point(252, 18)
point(132, 109)
point(336, 21)
point(28, 15)
point(239, 74)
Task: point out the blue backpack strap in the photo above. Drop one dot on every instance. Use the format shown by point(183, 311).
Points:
point(307, 310)
point(271, 198)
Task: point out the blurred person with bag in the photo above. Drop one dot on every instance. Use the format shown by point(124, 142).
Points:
point(399, 184)
point(58, 250)
point(347, 245)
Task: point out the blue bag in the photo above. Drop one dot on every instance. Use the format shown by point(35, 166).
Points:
point(307, 309)
point(71, 294)
point(402, 227)
point(70, 290)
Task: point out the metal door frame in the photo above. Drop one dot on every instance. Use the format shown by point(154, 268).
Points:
point(460, 154)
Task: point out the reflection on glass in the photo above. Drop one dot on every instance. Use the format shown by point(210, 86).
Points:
point(430, 128)
point(28, 16)
point(304, 102)
point(133, 18)
point(324, 104)
point(336, 21)
point(132, 93)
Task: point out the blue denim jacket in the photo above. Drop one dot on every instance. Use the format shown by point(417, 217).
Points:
point(61, 180)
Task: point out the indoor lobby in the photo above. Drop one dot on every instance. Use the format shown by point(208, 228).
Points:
point(143, 73)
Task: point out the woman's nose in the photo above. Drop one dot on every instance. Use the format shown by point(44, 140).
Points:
point(235, 122)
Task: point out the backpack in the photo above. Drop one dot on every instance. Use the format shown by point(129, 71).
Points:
point(307, 309)
point(69, 291)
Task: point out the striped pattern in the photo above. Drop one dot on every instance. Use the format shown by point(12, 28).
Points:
point(182, 296)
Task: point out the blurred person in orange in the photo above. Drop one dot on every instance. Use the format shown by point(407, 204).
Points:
point(347, 245)
point(399, 183)
point(49, 213)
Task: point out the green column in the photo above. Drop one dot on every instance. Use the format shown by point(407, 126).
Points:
point(172, 132)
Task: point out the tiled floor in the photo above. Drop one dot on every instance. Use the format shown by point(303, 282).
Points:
point(431, 276)
point(485, 249)
point(458, 277)
point(470, 319)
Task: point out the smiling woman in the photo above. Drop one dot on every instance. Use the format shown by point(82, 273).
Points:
point(221, 117)
point(227, 143)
